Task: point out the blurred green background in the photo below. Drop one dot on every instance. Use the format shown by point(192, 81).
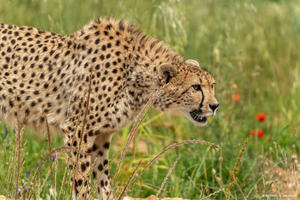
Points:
point(252, 49)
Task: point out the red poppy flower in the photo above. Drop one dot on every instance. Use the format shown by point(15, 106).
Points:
point(261, 117)
point(260, 133)
point(236, 97)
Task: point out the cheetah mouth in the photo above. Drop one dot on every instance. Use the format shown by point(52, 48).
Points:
point(198, 117)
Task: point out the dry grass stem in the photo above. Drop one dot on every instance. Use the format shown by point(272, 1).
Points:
point(20, 129)
point(212, 194)
point(219, 180)
point(235, 170)
point(7, 172)
point(133, 131)
point(46, 157)
point(83, 127)
point(129, 181)
point(171, 189)
point(50, 149)
point(172, 146)
point(153, 119)
point(167, 176)
point(62, 183)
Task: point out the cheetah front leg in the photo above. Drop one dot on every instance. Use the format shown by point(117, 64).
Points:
point(79, 159)
point(100, 166)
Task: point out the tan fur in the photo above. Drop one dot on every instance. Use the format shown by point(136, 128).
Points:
point(47, 75)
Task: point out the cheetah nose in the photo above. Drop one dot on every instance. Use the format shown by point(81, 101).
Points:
point(213, 107)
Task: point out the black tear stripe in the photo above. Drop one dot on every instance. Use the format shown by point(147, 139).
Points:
point(202, 100)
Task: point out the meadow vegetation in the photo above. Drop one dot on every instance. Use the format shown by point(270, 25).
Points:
point(252, 49)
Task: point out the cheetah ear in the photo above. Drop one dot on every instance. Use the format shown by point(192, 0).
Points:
point(167, 72)
point(192, 62)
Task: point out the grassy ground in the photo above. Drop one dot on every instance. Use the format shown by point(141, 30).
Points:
point(251, 47)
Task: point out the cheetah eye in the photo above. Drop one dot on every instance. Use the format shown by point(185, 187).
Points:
point(197, 87)
point(213, 86)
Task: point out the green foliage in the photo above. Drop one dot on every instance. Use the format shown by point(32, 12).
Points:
point(251, 47)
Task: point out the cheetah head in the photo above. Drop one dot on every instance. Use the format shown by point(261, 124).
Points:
point(188, 90)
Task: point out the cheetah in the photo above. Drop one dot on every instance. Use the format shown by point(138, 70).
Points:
point(93, 82)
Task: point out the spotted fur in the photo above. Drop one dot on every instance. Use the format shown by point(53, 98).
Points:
point(109, 68)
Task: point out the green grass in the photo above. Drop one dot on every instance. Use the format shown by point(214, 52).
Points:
point(251, 47)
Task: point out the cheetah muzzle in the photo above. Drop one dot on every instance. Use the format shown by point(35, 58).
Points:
point(198, 117)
